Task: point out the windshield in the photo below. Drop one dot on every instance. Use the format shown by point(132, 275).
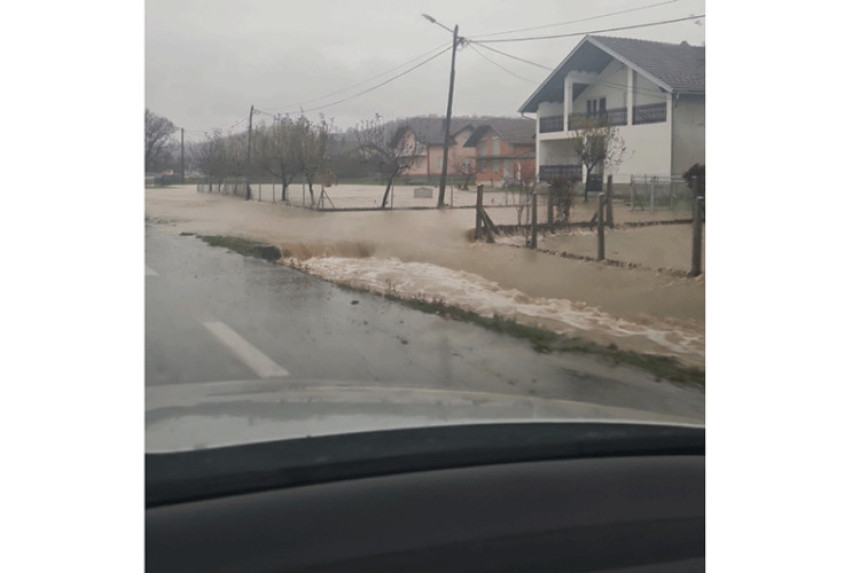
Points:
point(374, 215)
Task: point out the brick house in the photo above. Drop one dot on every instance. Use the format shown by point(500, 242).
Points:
point(504, 150)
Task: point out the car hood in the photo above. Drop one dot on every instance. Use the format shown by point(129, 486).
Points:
point(214, 414)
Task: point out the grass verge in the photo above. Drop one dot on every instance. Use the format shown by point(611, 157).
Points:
point(244, 247)
point(545, 341)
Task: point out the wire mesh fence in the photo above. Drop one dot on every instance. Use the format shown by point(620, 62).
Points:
point(654, 193)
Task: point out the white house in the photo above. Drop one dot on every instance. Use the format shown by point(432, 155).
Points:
point(653, 92)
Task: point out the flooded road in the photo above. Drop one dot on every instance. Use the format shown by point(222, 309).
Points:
point(427, 254)
point(216, 319)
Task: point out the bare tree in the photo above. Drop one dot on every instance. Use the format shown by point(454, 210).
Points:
point(206, 157)
point(527, 183)
point(467, 167)
point(278, 151)
point(313, 141)
point(391, 158)
point(561, 191)
point(157, 133)
point(597, 143)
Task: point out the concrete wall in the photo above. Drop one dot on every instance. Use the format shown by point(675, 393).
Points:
point(550, 108)
point(649, 151)
point(611, 84)
point(688, 133)
point(556, 152)
point(645, 91)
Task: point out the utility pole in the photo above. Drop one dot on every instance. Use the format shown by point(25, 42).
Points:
point(182, 155)
point(443, 180)
point(248, 158)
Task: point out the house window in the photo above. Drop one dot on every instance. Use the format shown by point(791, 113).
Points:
point(440, 162)
point(596, 106)
point(495, 146)
point(495, 165)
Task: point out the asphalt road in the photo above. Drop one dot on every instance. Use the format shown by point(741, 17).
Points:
point(213, 315)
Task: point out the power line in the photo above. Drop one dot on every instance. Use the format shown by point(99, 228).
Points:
point(368, 80)
point(617, 28)
point(543, 67)
point(500, 66)
point(610, 84)
point(627, 11)
point(375, 87)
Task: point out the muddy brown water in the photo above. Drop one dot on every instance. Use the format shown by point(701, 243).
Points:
point(428, 254)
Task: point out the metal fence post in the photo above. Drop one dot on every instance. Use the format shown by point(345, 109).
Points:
point(534, 220)
point(632, 194)
point(697, 237)
point(653, 185)
point(601, 238)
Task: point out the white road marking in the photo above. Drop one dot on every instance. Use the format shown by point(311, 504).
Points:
point(150, 272)
point(264, 366)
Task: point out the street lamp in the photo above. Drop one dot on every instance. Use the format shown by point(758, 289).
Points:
point(443, 179)
point(433, 20)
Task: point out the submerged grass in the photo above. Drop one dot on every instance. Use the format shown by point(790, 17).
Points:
point(243, 246)
point(545, 341)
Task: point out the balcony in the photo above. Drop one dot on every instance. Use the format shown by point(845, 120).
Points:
point(651, 113)
point(552, 123)
point(617, 116)
point(548, 172)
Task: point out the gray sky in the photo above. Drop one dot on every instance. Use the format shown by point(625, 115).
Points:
point(208, 61)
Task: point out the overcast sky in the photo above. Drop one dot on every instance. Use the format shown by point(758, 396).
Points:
point(208, 61)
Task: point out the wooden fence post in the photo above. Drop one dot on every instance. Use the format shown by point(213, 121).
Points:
point(533, 243)
point(696, 269)
point(479, 206)
point(601, 239)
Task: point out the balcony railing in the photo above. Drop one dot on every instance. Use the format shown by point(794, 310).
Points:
point(548, 172)
point(651, 113)
point(552, 123)
point(617, 116)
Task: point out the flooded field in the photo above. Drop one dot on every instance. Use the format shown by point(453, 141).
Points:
point(426, 253)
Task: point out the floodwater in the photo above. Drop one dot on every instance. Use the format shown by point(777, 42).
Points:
point(667, 247)
point(427, 254)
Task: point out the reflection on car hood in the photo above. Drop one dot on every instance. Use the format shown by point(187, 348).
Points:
point(205, 415)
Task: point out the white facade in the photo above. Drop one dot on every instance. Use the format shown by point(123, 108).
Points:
point(661, 143)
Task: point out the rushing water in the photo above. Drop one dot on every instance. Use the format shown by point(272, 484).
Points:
point(475, 293)
point(428, 254)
